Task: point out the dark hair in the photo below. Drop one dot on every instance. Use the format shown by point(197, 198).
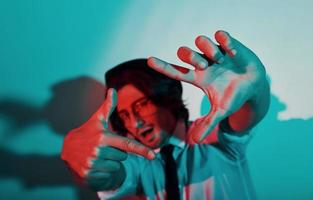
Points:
point(161, 90)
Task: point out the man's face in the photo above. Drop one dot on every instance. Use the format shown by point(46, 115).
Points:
point(148, 123)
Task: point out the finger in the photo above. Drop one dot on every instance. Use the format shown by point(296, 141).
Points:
point(96, 174)
point(172, 71)
point(97, 180)
point(107, 107)
point(105, 165)
point(209, 49)
point(227, 42)
point(111, 153)
point(127, 144)
point(191, 57)
point(110, 103)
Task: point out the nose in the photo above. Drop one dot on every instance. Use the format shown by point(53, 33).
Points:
point(137, 121)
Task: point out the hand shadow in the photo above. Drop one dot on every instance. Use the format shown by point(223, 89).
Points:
point(72, 103)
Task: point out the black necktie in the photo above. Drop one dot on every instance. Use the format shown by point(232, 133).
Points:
point(171, 183)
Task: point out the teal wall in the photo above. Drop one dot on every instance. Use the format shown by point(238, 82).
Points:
point(53, 55)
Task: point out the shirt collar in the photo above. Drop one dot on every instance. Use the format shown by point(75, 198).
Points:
point(178, 138)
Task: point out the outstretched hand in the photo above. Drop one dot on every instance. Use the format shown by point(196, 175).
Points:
point(95, 152)
point(229, 79)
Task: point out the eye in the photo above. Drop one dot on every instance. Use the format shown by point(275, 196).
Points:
point(144, 102)
point(124, 116)
point(141, 104)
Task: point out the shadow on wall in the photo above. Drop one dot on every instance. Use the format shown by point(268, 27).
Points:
point(280, 155)
point(72, 103)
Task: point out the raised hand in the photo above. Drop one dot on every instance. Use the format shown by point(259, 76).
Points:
point(229, 79)
point(96, 153)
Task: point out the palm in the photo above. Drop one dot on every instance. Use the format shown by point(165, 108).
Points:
point(228, 85)
point(229, 82)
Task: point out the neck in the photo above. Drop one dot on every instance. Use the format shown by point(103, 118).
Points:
point(180, 130)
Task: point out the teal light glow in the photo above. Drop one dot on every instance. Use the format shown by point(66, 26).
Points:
point(44, 43)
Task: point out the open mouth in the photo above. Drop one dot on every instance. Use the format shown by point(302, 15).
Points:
point(146, 133)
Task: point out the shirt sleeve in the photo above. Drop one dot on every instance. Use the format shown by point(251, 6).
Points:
point(233, 144)
point(130, 184)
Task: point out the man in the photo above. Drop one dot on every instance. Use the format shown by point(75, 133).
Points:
point(208, 156)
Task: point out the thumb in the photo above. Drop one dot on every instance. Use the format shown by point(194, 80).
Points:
point(207, 125)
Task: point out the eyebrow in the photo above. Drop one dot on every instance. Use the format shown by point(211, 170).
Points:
point(136, 101)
